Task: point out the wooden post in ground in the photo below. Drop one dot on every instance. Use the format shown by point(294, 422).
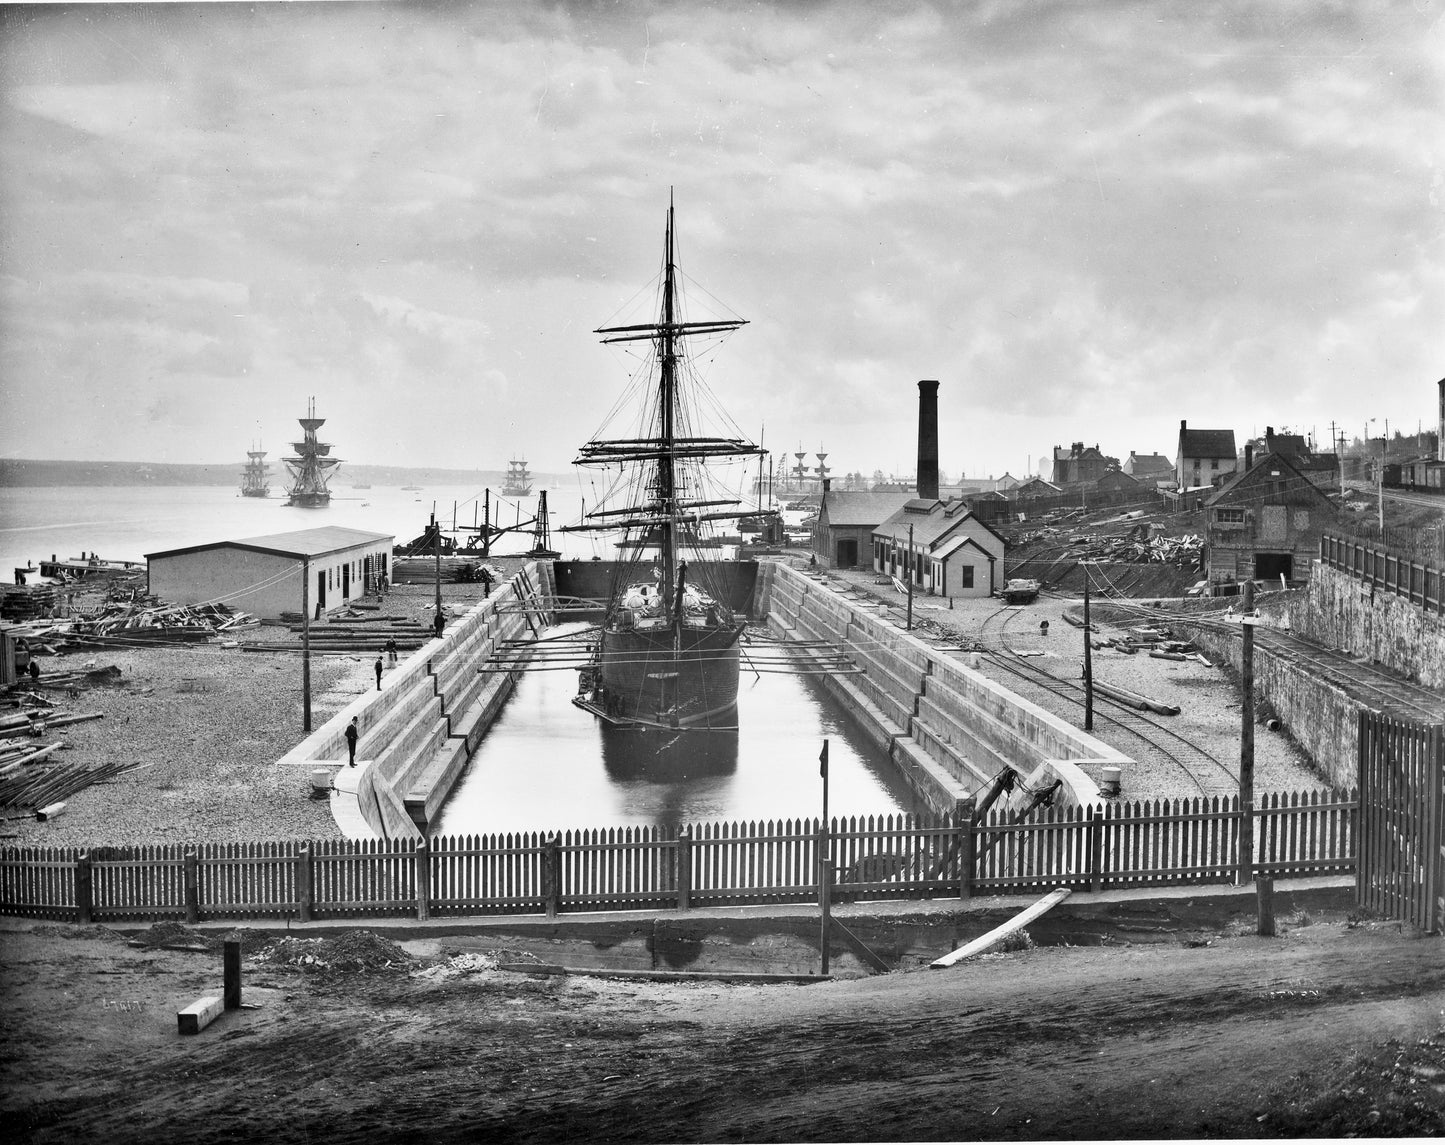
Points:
point(306, 644)
point(1088, 658)
point(192, 868)
point(963, 813)
point(83, 889)
point(684, 868)
point(1246, 741)
point(305, 884)
point(1264, 896)
point(231, 965)
point(422, 859)
point(1096, 849)
point(825, 879)
point(552, 875)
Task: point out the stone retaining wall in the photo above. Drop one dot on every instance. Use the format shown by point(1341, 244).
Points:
point(949, 729)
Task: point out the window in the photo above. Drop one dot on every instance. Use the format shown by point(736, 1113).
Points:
point(965, 576)
point(1214, 463)
point(1229, 516)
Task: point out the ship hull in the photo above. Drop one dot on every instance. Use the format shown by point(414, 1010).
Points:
point(646, 681)
point(309, 500)
point(255, 492)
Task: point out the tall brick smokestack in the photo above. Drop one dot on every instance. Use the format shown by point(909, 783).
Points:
point(928, 440)
point(1440, 445)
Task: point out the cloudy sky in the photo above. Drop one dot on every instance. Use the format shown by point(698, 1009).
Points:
point(1087, 220)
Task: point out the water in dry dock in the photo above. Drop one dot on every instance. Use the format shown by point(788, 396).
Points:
point(546, 764)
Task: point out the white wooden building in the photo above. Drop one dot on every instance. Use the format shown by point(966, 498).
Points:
point(953, 552)
point(262, 575)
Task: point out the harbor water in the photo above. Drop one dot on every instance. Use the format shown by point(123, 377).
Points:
point(545, 764)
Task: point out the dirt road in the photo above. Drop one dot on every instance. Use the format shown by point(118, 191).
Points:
point(1240, 1037)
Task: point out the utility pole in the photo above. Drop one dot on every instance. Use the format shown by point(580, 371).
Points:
point(909, 626)
point(825, 863)
point(1088, 657)
point(306, 644)
point(1381, 485)
point(1246, 740)
point(436, 538)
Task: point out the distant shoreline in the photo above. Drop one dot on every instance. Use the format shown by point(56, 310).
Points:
point(27, 473)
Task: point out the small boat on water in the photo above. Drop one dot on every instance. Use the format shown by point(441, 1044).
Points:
point(311, 467)
point(255, 478)
point(666, 653)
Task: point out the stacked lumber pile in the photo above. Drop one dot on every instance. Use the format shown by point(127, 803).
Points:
point(149, 620)
point(353, 630)
point(35, 782)
point(27, 601)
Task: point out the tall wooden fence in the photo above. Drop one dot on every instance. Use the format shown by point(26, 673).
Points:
point(1418, 581)
point(1186, 842)
point(1402, 820)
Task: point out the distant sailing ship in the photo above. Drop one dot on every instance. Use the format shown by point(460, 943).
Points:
point(255, 478)
point(312, 465)
point(519, 479)
point(666, 653)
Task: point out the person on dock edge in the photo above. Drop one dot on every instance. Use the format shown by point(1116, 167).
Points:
point(378, 672)
point(439, 623)
point(391, 649)
point(351, 734)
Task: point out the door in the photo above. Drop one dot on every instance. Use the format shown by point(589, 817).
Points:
point(847, 556)
point(346, 581)
point(321, 589)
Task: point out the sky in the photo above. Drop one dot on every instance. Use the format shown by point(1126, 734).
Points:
point(1088, 221)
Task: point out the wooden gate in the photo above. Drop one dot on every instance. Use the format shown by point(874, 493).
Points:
point(1401, 864)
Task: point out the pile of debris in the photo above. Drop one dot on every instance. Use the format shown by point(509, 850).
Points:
point(356, 629)
point(28, 601)
point(150, 621)
point(1139, 546)
point(356, 951)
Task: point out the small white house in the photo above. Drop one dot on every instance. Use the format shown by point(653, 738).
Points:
point(262, 575)
point(942, 547)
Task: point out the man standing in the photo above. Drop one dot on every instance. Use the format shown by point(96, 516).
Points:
point(439, 623)
point(351, 734)
point(391, 649)
point(378, 671)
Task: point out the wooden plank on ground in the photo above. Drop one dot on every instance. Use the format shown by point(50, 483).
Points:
point(199, 1014)
point(999, 933)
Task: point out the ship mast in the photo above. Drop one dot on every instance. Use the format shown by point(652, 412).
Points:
point(667, 397)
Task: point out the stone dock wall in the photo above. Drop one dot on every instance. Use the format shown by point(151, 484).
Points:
point(947, 728)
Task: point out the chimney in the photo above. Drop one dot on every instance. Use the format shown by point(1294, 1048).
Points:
point(928, 440)
point(1248, 456)
point(1183, 425)
point(827, 484)
point(1440, 447)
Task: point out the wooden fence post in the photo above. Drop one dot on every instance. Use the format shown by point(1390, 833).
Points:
point(305, 884)
point(963, 812)
point(684, 868)
point(83, 889)
point(552, 875)
point(192, 867)
point(1095, 840)
point(423, 880)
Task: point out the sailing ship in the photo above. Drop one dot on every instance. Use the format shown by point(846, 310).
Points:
point(255, 478)
point(312, 465)
point(519, 479)
point(666, 653)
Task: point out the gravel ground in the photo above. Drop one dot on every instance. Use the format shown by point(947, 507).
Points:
point(1208, 700)
point(207, 724)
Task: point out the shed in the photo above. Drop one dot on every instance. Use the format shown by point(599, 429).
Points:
point(1266, 523)
point(263, 575)
point(942, 547)
point(843, 531)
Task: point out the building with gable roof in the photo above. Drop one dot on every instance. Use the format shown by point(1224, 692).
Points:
point(1204, 457)
point(941, 548)
point(1265, 523)
point(1151, 468)
point(843, 530)
point(263, 575)
point(1078, 464)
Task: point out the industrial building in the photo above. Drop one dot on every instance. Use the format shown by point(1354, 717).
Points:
point(263, 575)
point(942, 547)
point(1265, 523)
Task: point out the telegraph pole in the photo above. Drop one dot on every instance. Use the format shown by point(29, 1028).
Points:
point(1246, 740)
point(1088, 658)
point(909, 567)
point(305, 644)
point(825, 862)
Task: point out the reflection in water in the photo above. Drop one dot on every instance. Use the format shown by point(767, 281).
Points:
point(668, 756)
point(548, 765)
